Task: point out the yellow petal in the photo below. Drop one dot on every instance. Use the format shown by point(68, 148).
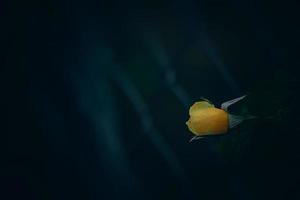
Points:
point(191, 127)
point(196, 107)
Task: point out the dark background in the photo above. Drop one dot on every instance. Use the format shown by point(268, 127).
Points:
point(95, 95)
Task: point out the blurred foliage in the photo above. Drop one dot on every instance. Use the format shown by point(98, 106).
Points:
point(95, 98)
